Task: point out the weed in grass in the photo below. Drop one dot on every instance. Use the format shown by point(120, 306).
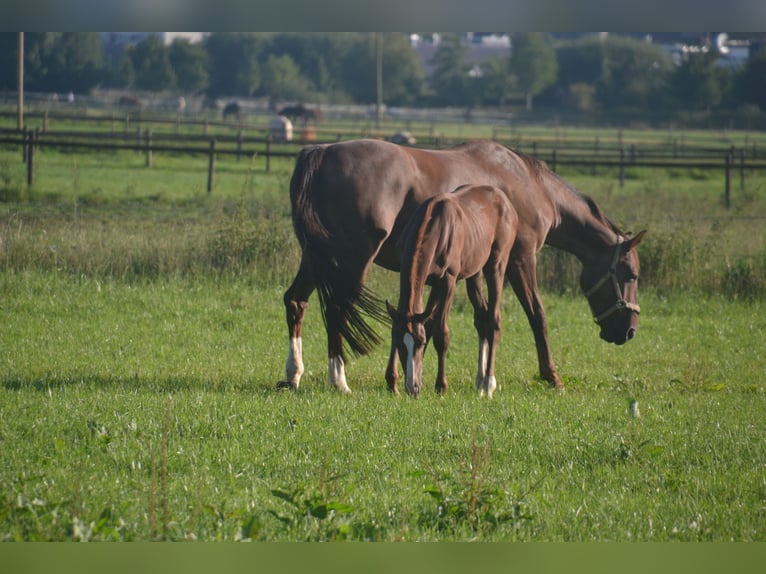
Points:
point(743, 280)
point(468, 502)
point(315, 514)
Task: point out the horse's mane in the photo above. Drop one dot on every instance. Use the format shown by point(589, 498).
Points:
point(540, 169)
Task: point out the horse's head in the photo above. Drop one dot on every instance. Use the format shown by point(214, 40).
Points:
point(610, 284)
point(410, 338)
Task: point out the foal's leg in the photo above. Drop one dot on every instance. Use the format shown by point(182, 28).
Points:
point(475, 295)
point(392, 369)
point(296, 302)
point(522, 274)
point(441, 329)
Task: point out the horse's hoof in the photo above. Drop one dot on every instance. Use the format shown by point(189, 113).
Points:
point(286, 385)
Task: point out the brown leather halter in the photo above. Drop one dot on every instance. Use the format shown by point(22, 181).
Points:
point(620, 303)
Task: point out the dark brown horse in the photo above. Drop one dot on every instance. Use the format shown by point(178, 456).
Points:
point(233, 108)
point(302, 113)
point(452, 236)
point(351, 201)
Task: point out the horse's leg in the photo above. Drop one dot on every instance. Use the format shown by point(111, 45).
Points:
point(441, 330)
point(355, 275)
point(336, 369)
point(495, 274)
point(475, 295)
point(392, 370)
point(296, 302)
point(522, 274)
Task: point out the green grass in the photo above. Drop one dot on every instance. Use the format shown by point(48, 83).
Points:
point(136, 412)
point(143, 334)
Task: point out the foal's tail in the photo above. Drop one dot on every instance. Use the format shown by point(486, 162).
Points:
point(348, 299)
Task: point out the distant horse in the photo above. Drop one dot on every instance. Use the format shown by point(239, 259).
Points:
point(232, 109)
point(351, 201)
point(302, 113)
point(453, 236)
point(129, 102)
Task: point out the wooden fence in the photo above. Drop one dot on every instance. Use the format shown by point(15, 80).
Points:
point(577, 153)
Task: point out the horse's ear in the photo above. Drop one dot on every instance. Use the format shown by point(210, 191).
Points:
point(634, 241)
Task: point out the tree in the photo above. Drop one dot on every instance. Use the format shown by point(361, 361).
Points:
point(450, 77)
point(151, 63)
point(403, 75)
point(751, 82)
point(533, 63)
point(282, 80)
point(695, 83)
point(234, 67)
point(624, 72)
point(76, 62)
point(496, 84)
point(190, 63)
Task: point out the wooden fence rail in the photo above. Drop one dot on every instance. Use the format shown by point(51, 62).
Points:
point(30, 141)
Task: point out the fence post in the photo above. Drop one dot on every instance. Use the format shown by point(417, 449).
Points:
point(148, 148)
point(595, 154)
point(24, 144)
point(211, 167)
point(727, 191)
point(742, 170)
point(30, 158)
point(622, 166)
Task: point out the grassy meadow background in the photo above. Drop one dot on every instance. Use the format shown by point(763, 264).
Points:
point(143, 334)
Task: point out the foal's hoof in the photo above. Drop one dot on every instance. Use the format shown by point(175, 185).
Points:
point(286, 385)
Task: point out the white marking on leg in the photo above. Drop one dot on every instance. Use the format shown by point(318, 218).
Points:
point(294, 364)
point(482, 366)
point(337, 374)
point(490, 384)
point(409, 375)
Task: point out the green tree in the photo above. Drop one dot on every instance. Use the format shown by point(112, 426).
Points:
point(282, 80)
point(151, 62)
point(497, 84)
point(450, 80)
point(37, 49)
point(624, 72)
point(403, 76)
point(190, 63)
point(320, 56)
point(695, 83)
point(234, 67)
point(751, 81)
point(76, 62)
point(533, 63)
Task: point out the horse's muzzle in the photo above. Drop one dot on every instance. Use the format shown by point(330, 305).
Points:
point(610, 336)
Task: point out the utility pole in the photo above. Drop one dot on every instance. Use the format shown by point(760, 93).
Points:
point(21, 81)
point(378, 77)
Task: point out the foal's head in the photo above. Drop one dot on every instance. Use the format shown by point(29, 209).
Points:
point(610, 284)
point(410, 338)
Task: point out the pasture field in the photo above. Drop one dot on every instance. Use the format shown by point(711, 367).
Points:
point(143, 334)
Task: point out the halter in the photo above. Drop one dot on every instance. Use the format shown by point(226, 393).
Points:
point(620, 303)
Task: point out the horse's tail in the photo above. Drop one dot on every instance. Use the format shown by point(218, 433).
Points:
point(349, 301)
